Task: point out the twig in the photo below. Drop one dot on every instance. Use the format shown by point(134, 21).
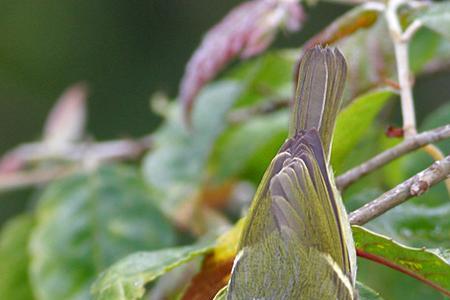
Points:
point(21, 179)
point(400, 41)
point(389, 155)
point(355, 2)
point(77, 154)
point(243, 114)
point(414, 186)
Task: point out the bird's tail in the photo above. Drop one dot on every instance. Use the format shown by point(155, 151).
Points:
point(321, 79)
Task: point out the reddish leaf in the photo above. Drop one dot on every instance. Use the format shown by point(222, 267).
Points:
point(216, 268)
point(65, 122)
point(246, 31)
point(11, 162)
point(355, 19)
point(210, 280)
point(217, 196)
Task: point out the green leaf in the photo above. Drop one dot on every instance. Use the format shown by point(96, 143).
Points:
point(366, 293)
point(266, 77)
point(429, 266)
point(126, 279)
point(423, 47)
point(437, 17)
point(239, 145)
point(235, 155)
point(437, 118)
point(176, 167)
point(353, 122)
point(14, 259)
point(85, 223)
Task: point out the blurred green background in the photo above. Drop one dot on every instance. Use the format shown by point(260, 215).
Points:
point(124, 50)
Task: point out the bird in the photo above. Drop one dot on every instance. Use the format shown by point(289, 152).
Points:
point(296, 241)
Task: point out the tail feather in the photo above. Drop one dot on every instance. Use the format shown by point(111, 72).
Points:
point(321, 78)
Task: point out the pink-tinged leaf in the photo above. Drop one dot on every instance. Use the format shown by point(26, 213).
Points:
point(10, 163)
point(246, 31)
point(66, 121)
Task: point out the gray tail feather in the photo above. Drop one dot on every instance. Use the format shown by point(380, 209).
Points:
point(321, 79)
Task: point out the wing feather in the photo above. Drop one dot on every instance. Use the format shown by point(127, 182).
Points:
point(295, 236)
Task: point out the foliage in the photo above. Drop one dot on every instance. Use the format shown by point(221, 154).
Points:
point(15, 280)
point(110, 231)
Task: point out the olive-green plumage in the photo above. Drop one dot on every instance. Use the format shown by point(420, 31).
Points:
point(296, 242)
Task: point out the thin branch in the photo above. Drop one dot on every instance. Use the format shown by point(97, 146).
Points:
point(411, 30)
point(244, 114)
point(356, 2)
point(414, 186)
point(437, 154)
point(21, 179)
point(400, 41)
point(76, 154)
point(389, 155)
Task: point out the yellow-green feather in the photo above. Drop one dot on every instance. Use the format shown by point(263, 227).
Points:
point(297, 242)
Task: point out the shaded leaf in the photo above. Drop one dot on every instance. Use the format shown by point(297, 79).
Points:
point(246, 31)
point(429, 266)
point(423, 48)
point(366, 293)
point(437, 118)
point(127, 278)
point(353, 122)
point(175, 168)
point(14, 259)
point(85, 223)
point(441, 59)
point(437, 17)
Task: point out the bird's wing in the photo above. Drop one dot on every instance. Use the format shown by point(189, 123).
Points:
point(296, 242)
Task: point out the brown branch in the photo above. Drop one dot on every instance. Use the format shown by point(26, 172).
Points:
point(414, 186)
point(389, 155)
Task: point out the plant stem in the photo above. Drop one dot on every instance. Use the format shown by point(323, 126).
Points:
point(411, 144)
point(400, 42)
point(414, 186)
point(75, 156)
